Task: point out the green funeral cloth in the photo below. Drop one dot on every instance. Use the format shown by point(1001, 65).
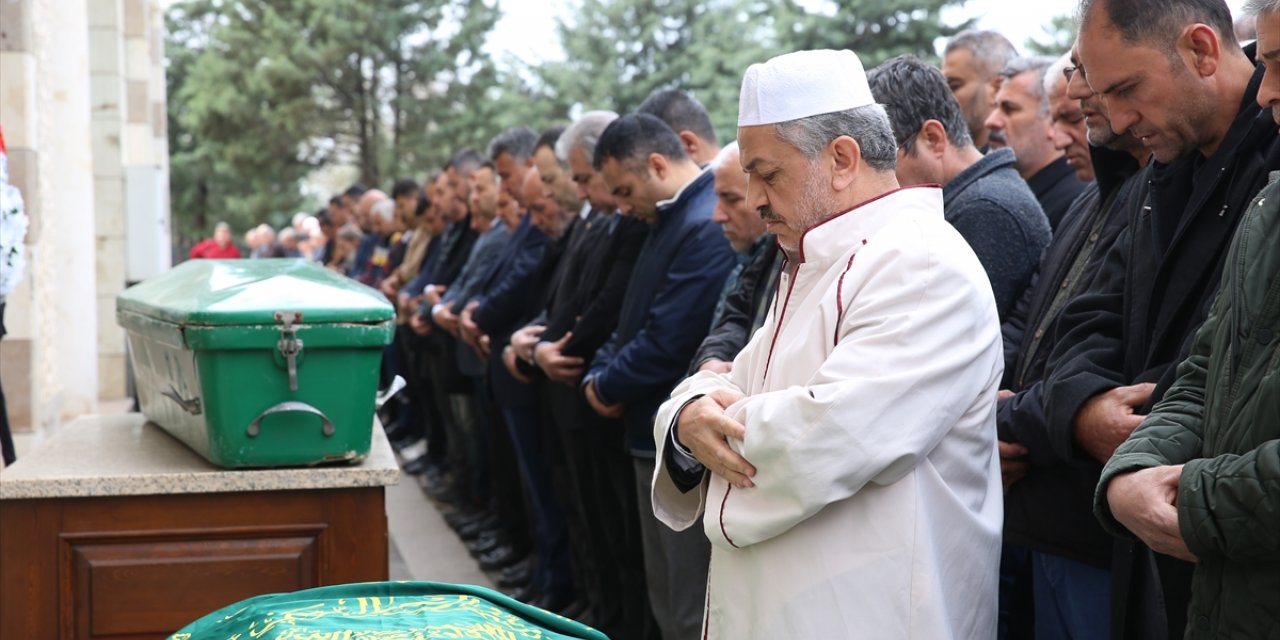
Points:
point(385, 611)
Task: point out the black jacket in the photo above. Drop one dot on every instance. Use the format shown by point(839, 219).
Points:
point(1136, 319)
point(1056, 187)
point(745, 308)
point(1048, 510)
point(590, 298)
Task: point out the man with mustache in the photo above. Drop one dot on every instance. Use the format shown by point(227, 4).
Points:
point(1170, 73)
point(846, 464)
point(1046, 505)
point(1020, 121)
point(1214, 440)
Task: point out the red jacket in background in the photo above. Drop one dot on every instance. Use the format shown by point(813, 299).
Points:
point(209, 249)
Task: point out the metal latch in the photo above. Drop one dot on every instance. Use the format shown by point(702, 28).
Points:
point(289, 345)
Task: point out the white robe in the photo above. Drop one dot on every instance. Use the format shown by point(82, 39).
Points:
point(870, 418)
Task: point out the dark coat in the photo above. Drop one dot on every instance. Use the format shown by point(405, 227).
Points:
point(745, 308)
point(1219, 420)
point(667, 309)
point(1137, 318)
point(992, 207)
point(502, 296)
point(1056, 187)
point(1047, 510)
point(590, 299)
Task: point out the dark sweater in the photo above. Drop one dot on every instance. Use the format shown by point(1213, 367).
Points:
point(992, 207)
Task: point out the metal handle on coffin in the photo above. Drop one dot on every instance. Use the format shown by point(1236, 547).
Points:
point(284, 407)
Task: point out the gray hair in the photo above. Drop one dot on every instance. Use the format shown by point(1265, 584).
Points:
point(384, 209)
point(519, 142)
point(584, 134)
point(1053, 75)
point(721, 158)
point(869, 125)
point(991, 50)
point(1031, 64)
point(1255, 8)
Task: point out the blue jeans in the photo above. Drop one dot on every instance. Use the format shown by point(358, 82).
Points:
point(1073, 599)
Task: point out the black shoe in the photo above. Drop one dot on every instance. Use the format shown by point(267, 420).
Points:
point(499, 558)
point(418, 465)
point(461, 518)
point(441, 492)
point(473, 530)
point(516, 575)
point(400, 444)
point(488, 541)
point(524, 594)
point(553, 602)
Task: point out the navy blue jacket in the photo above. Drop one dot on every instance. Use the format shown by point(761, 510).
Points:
point(504, 296)
point(668, 306)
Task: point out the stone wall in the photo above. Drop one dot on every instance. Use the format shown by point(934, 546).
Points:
point(82, 101)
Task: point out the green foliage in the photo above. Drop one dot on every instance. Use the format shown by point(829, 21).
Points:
point(261, 92)
point(875, 29)
point(264, 92)
point(1059, 34)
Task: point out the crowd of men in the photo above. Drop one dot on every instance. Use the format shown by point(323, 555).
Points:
point(980, 351)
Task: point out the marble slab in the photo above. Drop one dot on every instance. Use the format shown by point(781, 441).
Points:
point(125, 455)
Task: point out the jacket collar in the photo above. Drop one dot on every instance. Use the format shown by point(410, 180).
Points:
point(682, 197)
point(985, 166)
point(832, 238)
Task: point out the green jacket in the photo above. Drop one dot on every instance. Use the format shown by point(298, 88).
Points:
point(1222, 420)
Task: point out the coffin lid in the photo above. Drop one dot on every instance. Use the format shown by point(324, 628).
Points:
point(249, 292)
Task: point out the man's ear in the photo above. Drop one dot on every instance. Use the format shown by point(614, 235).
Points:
point(846, 156)
point(658, 166)
point(692, 143)
point(932, 138)
point(1200, 49)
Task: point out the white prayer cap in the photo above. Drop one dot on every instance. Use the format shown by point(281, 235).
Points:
point(802, 84)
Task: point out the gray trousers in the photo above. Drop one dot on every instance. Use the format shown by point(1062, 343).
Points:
point(675, 565)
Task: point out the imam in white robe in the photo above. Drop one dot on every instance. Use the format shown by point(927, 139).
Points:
point(870, 418)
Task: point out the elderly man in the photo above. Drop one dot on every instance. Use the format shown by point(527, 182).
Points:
point(749, 289)
point(971, 64)
point(983, 196)
point(1068, 130)
point(1020, 121)
point(664, 315)
point(1170, 73)
point(853, 486)
point(1198, 479)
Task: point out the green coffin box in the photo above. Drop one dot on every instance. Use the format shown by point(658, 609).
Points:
point(258, 363)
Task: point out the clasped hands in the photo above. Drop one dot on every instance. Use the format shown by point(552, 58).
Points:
point(1146, 503)
point(704, 428)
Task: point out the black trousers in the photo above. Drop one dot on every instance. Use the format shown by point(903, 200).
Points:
point(7, 451)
